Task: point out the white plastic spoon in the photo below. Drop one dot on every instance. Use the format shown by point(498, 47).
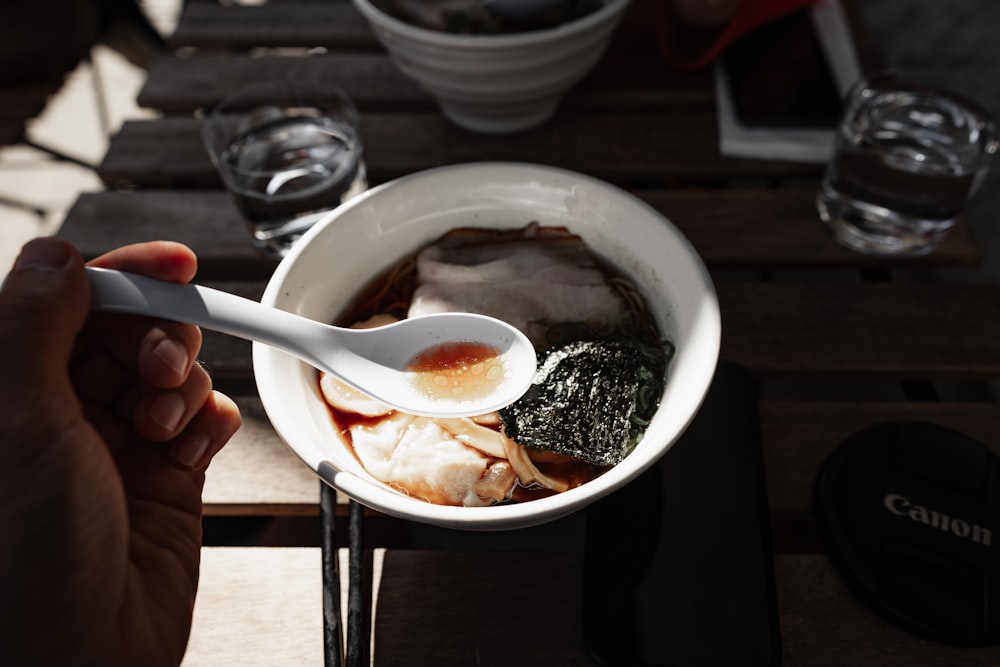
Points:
point(378, 362)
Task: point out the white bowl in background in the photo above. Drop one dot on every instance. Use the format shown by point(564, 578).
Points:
point(521, 8)
point(369, 233)
point(497, 84)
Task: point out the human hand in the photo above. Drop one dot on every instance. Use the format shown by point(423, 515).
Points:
point(106, 427)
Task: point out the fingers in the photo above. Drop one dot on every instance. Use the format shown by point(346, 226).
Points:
point(175, 403)
point(162, 414)
point(167, 353)
point(210, 429)
point(163, 260)
point(166, 350)
point(178, 404)
point(197, 419)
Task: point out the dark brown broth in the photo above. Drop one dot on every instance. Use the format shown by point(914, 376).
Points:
point(457, 370)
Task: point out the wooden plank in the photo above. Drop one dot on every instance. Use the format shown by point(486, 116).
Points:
point(823, 624)
point(857, 329)
point(205, 25)
point(423, 614)
point(182, 85)
point(168, 152)
point(257, 474)
point(205, 220)
point(622, 80)
point(729, 228)
point(258, 607)
point(653, 147)
point(228, 357)
point(798, 436)
point(424, 600)
point(744, 228)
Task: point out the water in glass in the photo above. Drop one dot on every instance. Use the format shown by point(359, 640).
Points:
point(905, 162)
point(288, 172)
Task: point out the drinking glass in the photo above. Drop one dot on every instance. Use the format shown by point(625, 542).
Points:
point(287, 158)
point(909, 152)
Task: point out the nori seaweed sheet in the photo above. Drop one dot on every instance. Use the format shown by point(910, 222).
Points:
point(585, 399)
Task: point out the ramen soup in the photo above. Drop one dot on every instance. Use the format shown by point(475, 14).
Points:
point(601, 369)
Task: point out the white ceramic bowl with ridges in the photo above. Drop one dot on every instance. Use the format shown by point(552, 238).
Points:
point(369, 233)
point(497, 84)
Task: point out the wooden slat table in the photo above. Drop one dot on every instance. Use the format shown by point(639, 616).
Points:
point(256, 598)
point(631, 146)
point(838, 341)
point(731, 229)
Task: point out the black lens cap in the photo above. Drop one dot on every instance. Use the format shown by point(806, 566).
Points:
point(910, 513)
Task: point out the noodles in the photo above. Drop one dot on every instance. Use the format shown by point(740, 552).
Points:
point(390, 294)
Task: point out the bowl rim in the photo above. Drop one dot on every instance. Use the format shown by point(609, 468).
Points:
point(502, 517)
point(528, 38)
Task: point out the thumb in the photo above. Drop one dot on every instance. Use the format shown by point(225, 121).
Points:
point(44, 302)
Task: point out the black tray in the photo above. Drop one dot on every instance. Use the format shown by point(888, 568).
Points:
point(679, 569)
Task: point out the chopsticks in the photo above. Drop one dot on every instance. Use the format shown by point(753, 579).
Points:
point(333, 655)
point(344, 648)
point(357, 627)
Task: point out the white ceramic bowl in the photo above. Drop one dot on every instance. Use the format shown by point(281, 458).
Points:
point(369, 233)
point(497, 84)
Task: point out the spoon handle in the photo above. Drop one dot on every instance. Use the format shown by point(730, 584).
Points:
point(120, 292)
